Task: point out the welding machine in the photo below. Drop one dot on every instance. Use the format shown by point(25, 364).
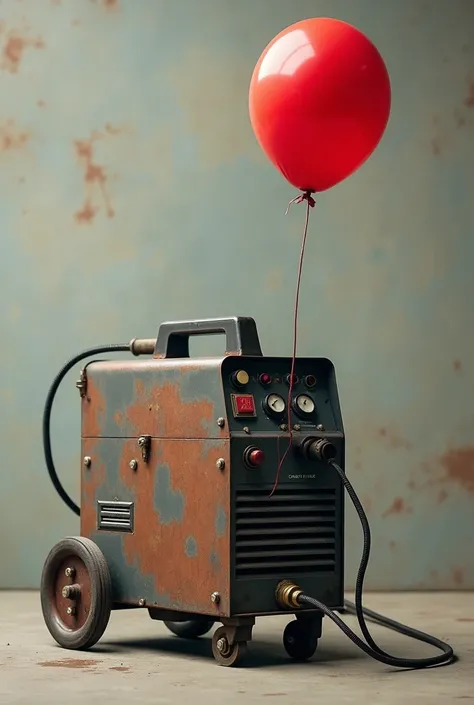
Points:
point(180, 512)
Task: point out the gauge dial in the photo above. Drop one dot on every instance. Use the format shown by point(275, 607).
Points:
point(304, 405)
point(274, 405)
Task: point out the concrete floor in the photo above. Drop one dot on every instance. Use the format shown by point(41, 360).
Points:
point(138, 658)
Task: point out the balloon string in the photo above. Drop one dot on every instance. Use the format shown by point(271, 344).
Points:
point(310, 203)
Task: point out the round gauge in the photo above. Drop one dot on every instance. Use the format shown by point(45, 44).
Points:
point(274, 405)
point(304, 405)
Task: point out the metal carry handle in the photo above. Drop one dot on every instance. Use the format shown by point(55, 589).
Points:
point(240, 332)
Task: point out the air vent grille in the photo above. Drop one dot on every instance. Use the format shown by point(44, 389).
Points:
point(292, 533)
point(115, 516)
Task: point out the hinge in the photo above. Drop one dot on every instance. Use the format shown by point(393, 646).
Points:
point(81, 383)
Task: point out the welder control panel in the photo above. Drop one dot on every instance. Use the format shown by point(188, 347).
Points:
point(257, 392)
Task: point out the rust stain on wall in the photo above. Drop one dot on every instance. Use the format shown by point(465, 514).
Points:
point(457, 365)
point(108, 4)
point(398, 506)
point(11, 137)
point(95, 177)
point(392, 439)
point(442, 496)
point(458, 464)
point(14, 47)
point(469, 99)
point(458, 576)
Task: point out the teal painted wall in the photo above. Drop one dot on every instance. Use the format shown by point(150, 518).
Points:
point(132, 191)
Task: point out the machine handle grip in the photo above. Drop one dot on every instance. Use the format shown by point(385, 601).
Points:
point(240, 332)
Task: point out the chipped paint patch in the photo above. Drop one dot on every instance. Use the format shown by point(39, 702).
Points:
point(168, 503)
point(190, 547)
point(221, 522)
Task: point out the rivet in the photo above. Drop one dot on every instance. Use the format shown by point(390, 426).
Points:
point(87, 461)
point(215, 598)
point(71, 610)
point(70, 572)
point(246, 429)
point(220, 464)
point(142, 602)
point(221, 422)
point(283, 427)
point(296, 427)
point(133, 465)
point(320, 427)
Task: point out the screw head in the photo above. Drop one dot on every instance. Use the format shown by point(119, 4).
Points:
point(221, 422)
point(220, 464)
point(70, 610)
point(246, 429)
point(215, 598)
point(142, 602)
point(133, 465)
point(70, 572)
point(296, 427)
point(87, 461)
point(283, 427)
point(320, 427)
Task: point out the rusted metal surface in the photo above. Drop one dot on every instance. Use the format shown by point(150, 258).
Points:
point(178, 554)
point(162, 399)
point(133, 191)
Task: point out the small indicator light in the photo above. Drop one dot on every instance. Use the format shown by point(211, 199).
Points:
point(289, 380)
point(264, 378)
point(310, 381)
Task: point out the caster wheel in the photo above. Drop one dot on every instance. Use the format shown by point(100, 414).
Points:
point(299, 641)
point(76, 594)
point(190, 630)
point(223, 652)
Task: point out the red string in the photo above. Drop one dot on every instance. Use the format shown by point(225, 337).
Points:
point(310, 203)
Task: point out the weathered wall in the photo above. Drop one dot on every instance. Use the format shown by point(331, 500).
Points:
point(132, 191)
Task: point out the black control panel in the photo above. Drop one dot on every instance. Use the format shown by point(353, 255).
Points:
point(257, 394)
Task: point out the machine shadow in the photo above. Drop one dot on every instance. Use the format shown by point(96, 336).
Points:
point(260, 653)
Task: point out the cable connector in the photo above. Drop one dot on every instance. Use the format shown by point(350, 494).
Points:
point(287, 594)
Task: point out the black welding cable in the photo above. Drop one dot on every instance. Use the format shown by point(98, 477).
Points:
point(48, 456)
point(371, 647)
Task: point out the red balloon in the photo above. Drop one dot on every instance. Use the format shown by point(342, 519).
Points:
point(319, 102)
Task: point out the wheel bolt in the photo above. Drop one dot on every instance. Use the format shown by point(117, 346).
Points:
point(71, 611)
point(222, 645)
point(71, 592)
point(70, 572)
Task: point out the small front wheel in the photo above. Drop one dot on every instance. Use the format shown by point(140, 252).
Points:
point(192, 629)
point(76, 593)
point(227, 654)
point(299, 640)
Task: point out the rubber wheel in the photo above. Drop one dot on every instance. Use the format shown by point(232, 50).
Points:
point(76, 622)
point(299, 642)
point(223, 652)
point(192, 629)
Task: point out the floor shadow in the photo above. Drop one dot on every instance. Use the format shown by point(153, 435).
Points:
point(260, 653)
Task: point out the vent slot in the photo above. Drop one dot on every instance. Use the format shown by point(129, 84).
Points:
point(115, 516)
point(291, 534)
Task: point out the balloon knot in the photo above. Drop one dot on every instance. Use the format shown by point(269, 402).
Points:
point(305, 196)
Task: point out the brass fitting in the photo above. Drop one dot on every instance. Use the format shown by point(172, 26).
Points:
point(287, 594)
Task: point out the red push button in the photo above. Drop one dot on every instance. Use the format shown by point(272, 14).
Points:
point(254, 457)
